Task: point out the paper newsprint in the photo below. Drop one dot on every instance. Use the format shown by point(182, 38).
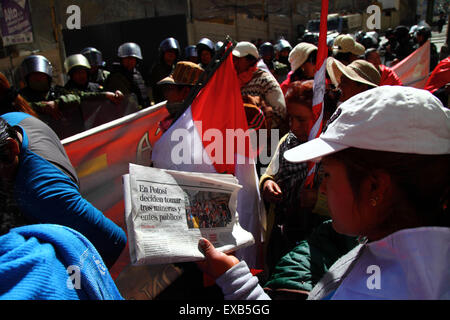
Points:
point(167, 212)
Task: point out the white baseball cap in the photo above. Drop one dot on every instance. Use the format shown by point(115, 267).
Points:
point(245, 48)
point(300, 53)
point(388, 118)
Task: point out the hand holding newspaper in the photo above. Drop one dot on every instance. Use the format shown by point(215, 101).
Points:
point(167, 212)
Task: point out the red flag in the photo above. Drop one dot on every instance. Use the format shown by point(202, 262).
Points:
point(319, 86)
point(439, 77)
point(219, 106)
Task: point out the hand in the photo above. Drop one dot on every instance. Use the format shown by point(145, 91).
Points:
point(51, 108)
point(115, 97)
point(272, 191)
point(216, 263)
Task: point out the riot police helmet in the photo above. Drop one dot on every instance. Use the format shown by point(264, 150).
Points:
point(170, 44)
point(424, 31)
point(130, 49)
point(283, 44)
point(76, 61)
point(36, 63)
point(94, 56)
point(190, 51)
point(205, 44)
point(266, 49)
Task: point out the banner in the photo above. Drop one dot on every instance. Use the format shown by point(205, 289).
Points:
point(15, 22)
point(102, 155)
point(413, 70)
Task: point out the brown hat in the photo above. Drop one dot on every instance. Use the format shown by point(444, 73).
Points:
point(359, 71)
point(186, 73)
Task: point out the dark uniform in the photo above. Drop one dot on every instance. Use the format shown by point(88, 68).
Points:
point(95, 58)
point(422, 35)
point(162, 69)
point(72, 63)
point(128, 82)
point(69, 103)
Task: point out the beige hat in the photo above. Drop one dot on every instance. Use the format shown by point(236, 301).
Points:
point(359, 70)
point(345, 43)
point(245, 48)
point(300, 54)
point(388, 118)
point(186, 73)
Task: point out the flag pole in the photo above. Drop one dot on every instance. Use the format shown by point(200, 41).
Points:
point(319, 87)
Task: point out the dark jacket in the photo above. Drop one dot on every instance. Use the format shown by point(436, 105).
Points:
point(299, 271)
point(129, 83)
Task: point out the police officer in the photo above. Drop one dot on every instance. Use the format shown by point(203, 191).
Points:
point(169, 53)
point(190, 54)
point(97, 73)
point(405, 43)
point(205, 51)
point(37, 72)
point(422, 35)
point(284, 48)
point(278, 69)
point(124, 75)
point(78, 68)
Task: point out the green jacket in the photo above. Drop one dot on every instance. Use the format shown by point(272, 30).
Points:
point(299, 271)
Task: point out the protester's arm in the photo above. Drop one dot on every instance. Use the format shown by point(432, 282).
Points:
point(47, 195)
point(234, 277)
point(274, 97)
point(273, 167)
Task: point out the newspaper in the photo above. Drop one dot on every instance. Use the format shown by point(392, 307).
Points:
point(168, 211)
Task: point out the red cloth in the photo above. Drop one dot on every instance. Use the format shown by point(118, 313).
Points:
point(285, 84)
point(389, 77)
point(439, 77)
point(223, 95)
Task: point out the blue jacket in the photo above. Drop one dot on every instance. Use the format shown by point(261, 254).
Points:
point(52, 262)
point(46, 193)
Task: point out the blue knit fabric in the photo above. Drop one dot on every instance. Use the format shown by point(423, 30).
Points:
point(34, 262)
point(45, 194)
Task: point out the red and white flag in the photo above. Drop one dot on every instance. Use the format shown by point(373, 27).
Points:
point(212, 136)
point(319, 87)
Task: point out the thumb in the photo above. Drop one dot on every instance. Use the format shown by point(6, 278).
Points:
point(206, 247)
point(216, 263)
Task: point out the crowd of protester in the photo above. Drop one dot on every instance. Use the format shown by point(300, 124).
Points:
point(382, 173)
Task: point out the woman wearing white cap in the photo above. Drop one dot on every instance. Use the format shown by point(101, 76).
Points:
point(259, 83)
point(303, 64)
point(385, 155)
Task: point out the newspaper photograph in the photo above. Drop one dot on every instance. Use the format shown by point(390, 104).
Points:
point(167, 212)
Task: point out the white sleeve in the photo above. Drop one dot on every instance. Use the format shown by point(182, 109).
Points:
point(239, 284)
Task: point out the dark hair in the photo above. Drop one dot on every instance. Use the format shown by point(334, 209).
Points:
point(251, 59)
point(299, 74)
point(10, 215)
point(6, 131)
point(300, 92)
point(422, 183)
point(344, 57)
